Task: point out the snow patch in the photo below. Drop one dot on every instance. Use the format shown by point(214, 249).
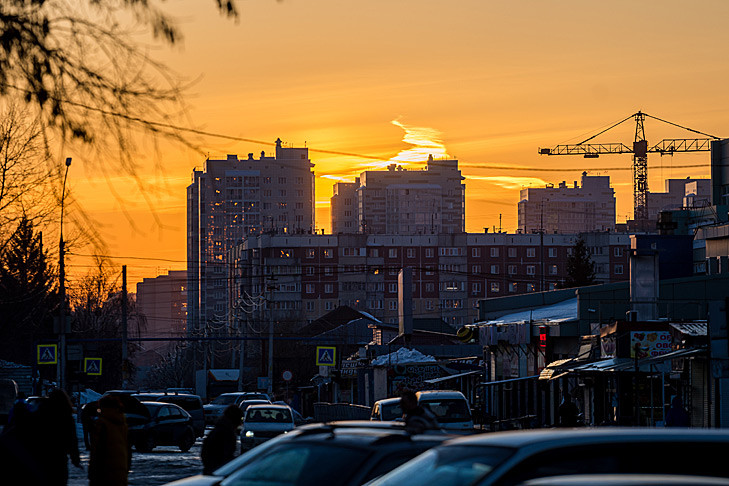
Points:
point(403, 355)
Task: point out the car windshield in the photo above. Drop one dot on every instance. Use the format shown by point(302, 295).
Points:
point(224, 400)
point(391, 412)
point(446, 466)
point(307, 464)
point(268, 415)
point(448, 410)
point(249, 456)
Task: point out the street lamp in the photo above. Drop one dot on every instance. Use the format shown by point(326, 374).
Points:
point(61, 369)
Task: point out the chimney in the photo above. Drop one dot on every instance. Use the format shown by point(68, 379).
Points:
point(405, 303)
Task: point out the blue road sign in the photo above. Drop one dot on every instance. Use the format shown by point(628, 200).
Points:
point(326, 356)
point(47, 354)
point(92, 366)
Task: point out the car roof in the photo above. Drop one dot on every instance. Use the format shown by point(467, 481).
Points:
point(439, 394)
point(388, 401)
point(567, 437)
point(268, 406)
point(161, 404)
point(365, 436)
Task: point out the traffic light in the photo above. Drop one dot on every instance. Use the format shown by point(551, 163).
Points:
point(543, 336)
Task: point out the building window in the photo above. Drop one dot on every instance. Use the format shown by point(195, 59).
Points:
point(618, 269)
point(476, 269)
point(531, 270)
point(309, 271)
point(392, 253)
point(329, 288)
point(429, 287)
point(282, 180)
point(553, 270)
point(512, 269)
point(392, 287)
point(476, 252)
point(392, 305)
point(494, 252)
point(309, 288)
point(374, 252)
point(531, 252)
point(512, 252)
point(552, 286)
point(531, 287)
point(429, 253)
point(512, 287)
point(328, 253)
point(476, 288)
point(328, 305)
point(552, 253)
point(411, 252)
point(494, 269)
point(328, 271)
point(310, 306)
point(495, 287)
point(618, 252)
point(428, 305)
point(429, 270)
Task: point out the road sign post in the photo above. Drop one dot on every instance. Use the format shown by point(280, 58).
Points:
point(92, 366)
point(326, 356)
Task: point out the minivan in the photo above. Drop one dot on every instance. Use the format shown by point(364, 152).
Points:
point(449, 407)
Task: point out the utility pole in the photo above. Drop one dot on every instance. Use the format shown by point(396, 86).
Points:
point(125, 351)
point(61, 368)
point(271, 288)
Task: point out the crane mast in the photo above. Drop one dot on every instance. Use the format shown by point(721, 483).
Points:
point(640, 172)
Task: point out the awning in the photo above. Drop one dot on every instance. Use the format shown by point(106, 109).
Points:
point(453, 377)
point(693, 329)
point(510, 380)
point(224, 375)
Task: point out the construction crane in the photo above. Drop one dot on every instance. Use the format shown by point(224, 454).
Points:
point(640, 151)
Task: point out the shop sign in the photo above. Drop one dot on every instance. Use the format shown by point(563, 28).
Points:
point(652, 343)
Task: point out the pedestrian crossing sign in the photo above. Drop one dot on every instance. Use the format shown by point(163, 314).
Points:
point(326, 356)
point(92, 366)
point(47, 354)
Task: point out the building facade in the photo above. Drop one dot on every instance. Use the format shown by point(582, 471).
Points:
point(568, 210)
point(163, 302)
point(231, 199)
point(398, 201)
point(305, 276)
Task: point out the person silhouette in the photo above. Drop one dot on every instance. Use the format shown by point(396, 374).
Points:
point(109, 456)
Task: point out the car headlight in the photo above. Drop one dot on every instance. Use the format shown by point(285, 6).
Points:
point(249, 433)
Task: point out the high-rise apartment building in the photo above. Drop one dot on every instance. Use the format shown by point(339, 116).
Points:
point(399, 201)
point(568, 210)
point(231, 199)
point(163, 302)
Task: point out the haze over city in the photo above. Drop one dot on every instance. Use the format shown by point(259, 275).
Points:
point(486, 83)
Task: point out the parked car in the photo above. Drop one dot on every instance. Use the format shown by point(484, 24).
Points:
point(214, 409)
point(331, 454)
point(387, 409)
point(247, 403)
point(192, 404)
point(168, 425)
point(298, 418)
point(512, 458)
point(627, 480)
point(450, 408)
point(263, 422)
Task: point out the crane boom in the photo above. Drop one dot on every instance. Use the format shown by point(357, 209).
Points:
point(640, 151)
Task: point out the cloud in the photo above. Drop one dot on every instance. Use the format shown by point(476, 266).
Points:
point(425, 141)
point(508, 182)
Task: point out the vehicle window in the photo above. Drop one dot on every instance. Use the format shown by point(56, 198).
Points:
point(186, 403)
point(175, 413)
point(164, 413)
point(225, 400)
point(622, 458)
point(391, 412)
point(448, 410)
point(390, 462)
point(306, 465)
point(249, 456)
point(447, 466)
point(268, 415)
point(376, 411)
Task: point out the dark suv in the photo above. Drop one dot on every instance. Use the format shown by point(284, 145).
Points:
point(334, 454)
point(192, 404)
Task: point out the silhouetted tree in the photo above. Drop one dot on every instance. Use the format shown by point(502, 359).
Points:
point(580, 267)
point(27, 283)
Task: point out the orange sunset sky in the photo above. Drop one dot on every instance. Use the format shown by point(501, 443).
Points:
point(486, 82)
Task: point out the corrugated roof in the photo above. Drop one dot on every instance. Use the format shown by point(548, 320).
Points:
point(691, 328)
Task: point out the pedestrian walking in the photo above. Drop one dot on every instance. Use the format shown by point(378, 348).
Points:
point(567, 411)
point(219, 446)
point(89, 412)
point(55, 437)
point(417, 419)
point(109, 455)
point(677, 416)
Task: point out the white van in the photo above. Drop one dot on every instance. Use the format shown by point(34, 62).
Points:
point(450, 408)
point(387, 409)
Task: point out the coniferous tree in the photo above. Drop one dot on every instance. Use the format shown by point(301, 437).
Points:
point(580, 267)
point(27, 283)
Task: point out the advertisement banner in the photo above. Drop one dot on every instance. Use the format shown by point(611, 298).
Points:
point(652, 343)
